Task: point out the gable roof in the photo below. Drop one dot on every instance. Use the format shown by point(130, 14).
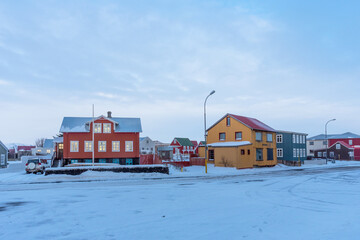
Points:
point(48, 143)
point(252, 123)
point(342, 143)
point(3, 145)
point(184, 142)
point(81, 124)
point(195, 143)
point(335, 136)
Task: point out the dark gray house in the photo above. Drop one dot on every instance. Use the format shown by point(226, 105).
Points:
point(291, 147)
point(4, 154)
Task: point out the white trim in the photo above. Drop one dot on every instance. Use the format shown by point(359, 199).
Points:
point(106, 124)
point(95, 127)
point(132, 146)
point(101, 144)
point(77, 146)
point(85, 150)
point(112, 146)
point(280, 150)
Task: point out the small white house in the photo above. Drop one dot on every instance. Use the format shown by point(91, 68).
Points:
point(147, 146)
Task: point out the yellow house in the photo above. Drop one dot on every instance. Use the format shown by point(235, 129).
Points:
point(241, 142)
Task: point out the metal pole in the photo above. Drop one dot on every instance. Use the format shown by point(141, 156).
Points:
point(326, 138)
point(205, 135)
point(93, 145)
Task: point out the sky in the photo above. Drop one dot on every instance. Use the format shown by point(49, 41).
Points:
point(291, 64)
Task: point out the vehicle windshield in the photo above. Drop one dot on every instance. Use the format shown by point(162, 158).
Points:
point(33, 160)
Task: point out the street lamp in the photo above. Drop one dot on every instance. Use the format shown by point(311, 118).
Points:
point(326, 138)
point(206, 148)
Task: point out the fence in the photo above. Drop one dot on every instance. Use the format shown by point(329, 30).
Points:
point(149, 159)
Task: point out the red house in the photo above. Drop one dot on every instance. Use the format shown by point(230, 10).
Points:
point(351, 140)
point(116, 140)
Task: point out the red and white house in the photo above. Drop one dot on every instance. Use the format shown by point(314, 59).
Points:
point(116, 140)
point(183, 148)
point(352, 143)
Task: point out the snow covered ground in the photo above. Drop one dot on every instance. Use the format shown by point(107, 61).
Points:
point(308, 202)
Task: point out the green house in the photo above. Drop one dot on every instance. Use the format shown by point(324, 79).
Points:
point(291, 147)
point(4, 155)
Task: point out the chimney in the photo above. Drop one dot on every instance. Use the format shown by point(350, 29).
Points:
point(109, 114)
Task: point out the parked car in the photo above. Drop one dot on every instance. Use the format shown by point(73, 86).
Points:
point(35, 166)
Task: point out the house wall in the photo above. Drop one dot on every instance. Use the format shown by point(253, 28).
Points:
point(147, 146)
point(288, 147)
point(340, 154)
point(318, 144)
point(108, 137)
point(3, 156)
point(247, 135)
point(201, 151)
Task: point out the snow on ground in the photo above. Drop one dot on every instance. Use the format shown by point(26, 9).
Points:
point(310, 202)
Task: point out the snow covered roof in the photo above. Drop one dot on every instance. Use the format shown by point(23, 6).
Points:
point(335, 136)
point(229, 144)
point(48, 143)
point(80, 124)
point(4, 146)
point(58, 140)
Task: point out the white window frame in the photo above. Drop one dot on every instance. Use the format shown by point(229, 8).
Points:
point(297, 139)
point(280, 152)
point(319, 154)
point(279, 138)
point(294, 138)
point(297, 152)
point(350, 142)
point(294, 152)
point(115, 146)
point(222, 139)
point(97, 127)
point(238, 138)
point(74, 146)
point(87, 146)
point(269, 139)
point(106, 127)
point(101, 146)
point(258, 134)
point(126, 146)
point(338, 146)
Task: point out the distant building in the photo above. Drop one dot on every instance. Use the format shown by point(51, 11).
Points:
point(290, 147)
point(319, 142)
point(339, 150)
point(182, 148)
point(4, 155)
point(241, 142)
point(147, 146)
point(46, 149)
point(23, 151)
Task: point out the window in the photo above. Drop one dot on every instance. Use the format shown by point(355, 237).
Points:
point(297, 152)
point(211, 154)
point(238, 135)
point(324, 142)
point(74, 146)
point(259, 154)
point(319, 154)
point(97, 128)
point(258, 136)
point(294, 138)
point(294, 152)
point(102, 146)
point(324, 154)
point(228, 121)
point(279, 138)
point(48, 151)
point(242, 152)
point(338, 146)
point(88, 146)
point(116, 146)
point(222, 136)
point(297, 139)
point(248, 151)
point(304, 139)
point(107, 128)
point(270, 154)
point(350, 142)
point(280, 152)
point(311, 143)
point(128, 146)
point(269, 137)
point(304, 152)
point(332, 154)
point(311, 151)
point(61, 146)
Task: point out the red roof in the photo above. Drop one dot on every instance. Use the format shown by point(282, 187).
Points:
point(253, 123)
point(195, 143)
point(25, 148)
point(342, 143)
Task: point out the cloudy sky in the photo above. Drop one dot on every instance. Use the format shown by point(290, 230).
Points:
point(291, 64)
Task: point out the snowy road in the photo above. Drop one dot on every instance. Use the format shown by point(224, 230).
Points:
point(291, 203)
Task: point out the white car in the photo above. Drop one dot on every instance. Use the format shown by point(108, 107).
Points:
point(36, 165)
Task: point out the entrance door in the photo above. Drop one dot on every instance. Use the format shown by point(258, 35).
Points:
point(211, 155)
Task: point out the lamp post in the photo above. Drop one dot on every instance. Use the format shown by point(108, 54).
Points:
point(326, 138)
point(206, 148)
